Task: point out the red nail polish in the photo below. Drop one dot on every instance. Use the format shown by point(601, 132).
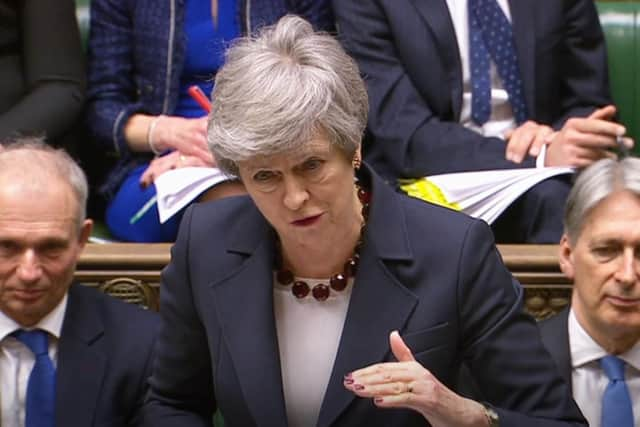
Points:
point(348, 381)
point(378, 400)
point(358, 387)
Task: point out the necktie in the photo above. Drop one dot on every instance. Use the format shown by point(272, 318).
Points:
point(42, 380)
point(616, 403)
point(491, 37)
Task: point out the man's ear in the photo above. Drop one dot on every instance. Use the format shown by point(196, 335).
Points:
point(565, 257)
point(85, 232)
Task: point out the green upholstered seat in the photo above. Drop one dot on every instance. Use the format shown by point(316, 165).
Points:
point(620, 20)
point(82, 15)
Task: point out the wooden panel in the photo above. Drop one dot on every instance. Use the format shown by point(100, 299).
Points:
point(131, 271)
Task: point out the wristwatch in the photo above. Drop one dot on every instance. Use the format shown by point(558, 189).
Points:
point(491, 414)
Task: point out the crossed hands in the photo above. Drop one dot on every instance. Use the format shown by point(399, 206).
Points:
point(581, 141)
point(407, 384)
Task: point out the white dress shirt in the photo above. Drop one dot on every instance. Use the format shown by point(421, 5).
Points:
point(309, 333)
point(16, 363)
point(501, 119)
point(589, 380)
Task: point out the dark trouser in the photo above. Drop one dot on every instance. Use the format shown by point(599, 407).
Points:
point(536, 216)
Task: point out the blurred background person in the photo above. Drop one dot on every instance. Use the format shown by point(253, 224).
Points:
point(596, 340)
point(143, 56)
point(277, 306)
point(42, 75)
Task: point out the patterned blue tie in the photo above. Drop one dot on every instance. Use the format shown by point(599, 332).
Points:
point(616, 403)
point(41, 387)
point(491, 37)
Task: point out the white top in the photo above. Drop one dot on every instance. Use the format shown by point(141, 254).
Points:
point(589, 380)
point(309, 333)
point(16, 363)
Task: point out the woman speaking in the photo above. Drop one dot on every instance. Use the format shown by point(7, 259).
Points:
point(323, 297)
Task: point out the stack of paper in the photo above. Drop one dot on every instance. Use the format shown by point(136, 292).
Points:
point(177, 188)
point(483, 194)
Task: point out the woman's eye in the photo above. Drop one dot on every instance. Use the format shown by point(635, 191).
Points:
point(263, 176)
point(312, 164)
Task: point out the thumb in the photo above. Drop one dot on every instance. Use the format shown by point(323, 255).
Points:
point(604, 113)
point(399, 348)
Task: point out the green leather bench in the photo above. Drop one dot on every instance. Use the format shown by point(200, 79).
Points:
point(620, 21)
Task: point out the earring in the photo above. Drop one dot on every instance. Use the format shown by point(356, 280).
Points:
point(357, 162)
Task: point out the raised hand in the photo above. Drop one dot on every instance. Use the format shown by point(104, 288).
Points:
point(407, 384)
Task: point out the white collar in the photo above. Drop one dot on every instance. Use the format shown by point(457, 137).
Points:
point(52, 322)
point(585, 350)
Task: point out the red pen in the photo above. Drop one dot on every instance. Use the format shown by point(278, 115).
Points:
point(196, 93)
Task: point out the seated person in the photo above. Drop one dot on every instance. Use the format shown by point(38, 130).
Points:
point(42, 77)
point(596, 341)
point(446, 96)
point(143, 56)
point(283, 300)
point(69, 355)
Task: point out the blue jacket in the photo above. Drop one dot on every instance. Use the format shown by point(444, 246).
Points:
point(136, 55)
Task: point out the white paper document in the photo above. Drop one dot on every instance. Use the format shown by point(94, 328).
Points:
point(177, 188)
point(482, 194)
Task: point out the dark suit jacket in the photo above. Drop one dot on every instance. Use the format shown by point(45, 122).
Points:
point(104, 361)
point(433, 274)
point(555, 336)
point(408, 54)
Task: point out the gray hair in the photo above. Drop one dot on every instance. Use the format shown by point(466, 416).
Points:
point(595, 184)
point(277, 90)
point(30, 158)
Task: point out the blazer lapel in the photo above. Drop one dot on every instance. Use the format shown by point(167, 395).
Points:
point(244, 302)
point(555, 336)
point(379, 302)
point(523, 24)
point(81, 363)
point(436, 15)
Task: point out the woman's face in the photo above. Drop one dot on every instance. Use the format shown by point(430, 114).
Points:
point(308, 196)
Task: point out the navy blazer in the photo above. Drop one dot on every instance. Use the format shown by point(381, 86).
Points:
point(431, 273)
point(555, 336)
point(104, 361)
point(408, 54)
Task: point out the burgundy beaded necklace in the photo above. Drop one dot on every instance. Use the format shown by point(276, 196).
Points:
point(338, 282)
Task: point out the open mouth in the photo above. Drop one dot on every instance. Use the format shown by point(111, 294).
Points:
point(304, 222)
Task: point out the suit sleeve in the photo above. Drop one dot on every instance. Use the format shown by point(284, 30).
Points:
point(407, 134)
point(181, 388)
point(113, 94)
point(318, 12)
point(583, 63)
point(53, 71)
point(501, 344)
